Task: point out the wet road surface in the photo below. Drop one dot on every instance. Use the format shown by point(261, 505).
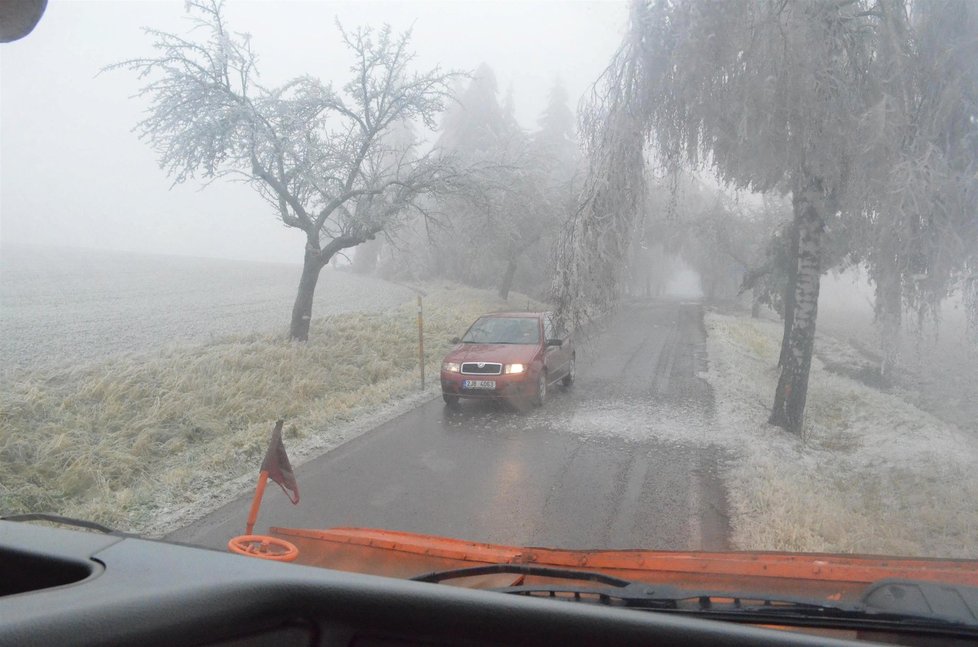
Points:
point(622, 459)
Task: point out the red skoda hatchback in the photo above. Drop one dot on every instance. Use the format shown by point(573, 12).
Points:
point(512, 355)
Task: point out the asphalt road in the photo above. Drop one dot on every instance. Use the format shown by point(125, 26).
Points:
point(620, 460)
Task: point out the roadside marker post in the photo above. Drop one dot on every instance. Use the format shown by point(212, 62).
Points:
point(421, 340)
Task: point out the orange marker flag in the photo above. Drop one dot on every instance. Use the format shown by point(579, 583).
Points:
point(275, 466)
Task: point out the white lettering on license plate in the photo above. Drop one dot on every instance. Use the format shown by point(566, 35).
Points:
point(479, 384)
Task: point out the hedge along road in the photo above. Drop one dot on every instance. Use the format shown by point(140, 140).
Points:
point(622, 459)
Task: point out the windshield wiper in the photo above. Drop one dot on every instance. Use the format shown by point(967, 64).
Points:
point(626, 591)
point(870, 611)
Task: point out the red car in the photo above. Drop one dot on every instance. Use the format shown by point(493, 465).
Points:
point(511, 355)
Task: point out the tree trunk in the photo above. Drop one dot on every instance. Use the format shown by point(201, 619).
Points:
point(792, 391)
point(790, 283)
point(507, 283)
point(889, 305)
point(302, 310)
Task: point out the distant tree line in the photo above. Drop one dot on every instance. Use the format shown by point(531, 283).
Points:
point(499, 234)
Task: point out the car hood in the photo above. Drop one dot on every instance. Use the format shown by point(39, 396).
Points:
point(828, 577)
point(502, 353)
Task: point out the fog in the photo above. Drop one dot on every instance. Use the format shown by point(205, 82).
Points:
point(73, 174)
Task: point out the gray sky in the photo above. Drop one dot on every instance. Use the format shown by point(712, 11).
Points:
point(73, 174)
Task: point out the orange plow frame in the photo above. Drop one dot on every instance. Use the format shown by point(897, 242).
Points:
point(830, 577)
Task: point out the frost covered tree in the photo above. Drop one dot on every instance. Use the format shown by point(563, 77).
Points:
point(593, 246)
point(537, 189)
point(555, 141)
point(547, 189)
point(863, 111)
point(317, 154)
point(722, 243)
point(918, 227)
point(768, 94)
point(473, 129)
point(476, 123)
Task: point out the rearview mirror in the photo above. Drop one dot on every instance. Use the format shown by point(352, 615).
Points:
point(454, 340)
point(555, 342)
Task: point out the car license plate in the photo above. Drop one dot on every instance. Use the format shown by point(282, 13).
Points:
point(479, 384)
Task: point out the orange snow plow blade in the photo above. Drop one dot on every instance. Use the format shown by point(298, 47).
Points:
point(831, 577)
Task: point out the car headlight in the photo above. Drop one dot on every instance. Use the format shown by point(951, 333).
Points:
point(450, 367)
point(515, 368)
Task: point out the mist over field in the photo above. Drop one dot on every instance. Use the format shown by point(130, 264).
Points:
point(76, 174)
point(62, 306)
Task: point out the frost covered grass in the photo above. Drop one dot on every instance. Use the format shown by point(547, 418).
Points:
point(135, 439)
point(872, 473)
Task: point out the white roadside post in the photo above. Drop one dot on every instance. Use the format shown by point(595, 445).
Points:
point(421, 340)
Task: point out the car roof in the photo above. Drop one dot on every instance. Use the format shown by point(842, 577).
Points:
point(535, 315)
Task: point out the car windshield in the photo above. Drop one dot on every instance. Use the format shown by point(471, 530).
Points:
point(503, 330)
point(713, 267)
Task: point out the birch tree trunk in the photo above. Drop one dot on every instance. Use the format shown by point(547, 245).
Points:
point(792, 390)
point(790, 283)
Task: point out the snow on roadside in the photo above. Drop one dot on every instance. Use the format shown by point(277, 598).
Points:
point(872, 473)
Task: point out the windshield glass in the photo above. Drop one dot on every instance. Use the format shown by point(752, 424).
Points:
point(503, 330)
point(714, 266)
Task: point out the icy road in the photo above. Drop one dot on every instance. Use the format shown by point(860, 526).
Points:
point(622, 459)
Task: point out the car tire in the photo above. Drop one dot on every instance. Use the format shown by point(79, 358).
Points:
point(541, 397)
point(571, 372)
point(450, 400)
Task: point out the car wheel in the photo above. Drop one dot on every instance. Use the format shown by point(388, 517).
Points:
point(450, 400)
point(571, 372)
point(541, 389)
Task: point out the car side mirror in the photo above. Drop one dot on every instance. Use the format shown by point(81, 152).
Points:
point(454, 340)
point(555, 342)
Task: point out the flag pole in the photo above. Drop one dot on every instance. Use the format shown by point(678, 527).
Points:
point(256, 501)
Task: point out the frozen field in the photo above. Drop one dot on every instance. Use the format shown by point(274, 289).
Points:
point(64, 306)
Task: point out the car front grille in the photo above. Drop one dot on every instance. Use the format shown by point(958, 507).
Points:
point(482, 368)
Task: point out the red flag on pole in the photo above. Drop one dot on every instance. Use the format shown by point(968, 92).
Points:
point(277, 465)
